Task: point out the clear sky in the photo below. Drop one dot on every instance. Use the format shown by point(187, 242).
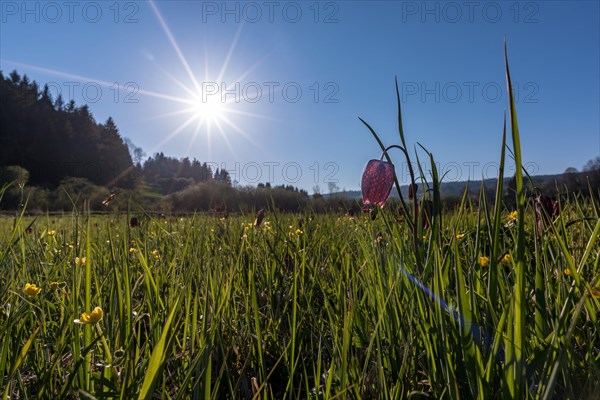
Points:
point(272, 90)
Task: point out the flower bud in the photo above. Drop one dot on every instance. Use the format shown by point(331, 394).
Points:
point(377, 181)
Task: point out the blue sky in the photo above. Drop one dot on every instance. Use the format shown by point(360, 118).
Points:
point(298, 75)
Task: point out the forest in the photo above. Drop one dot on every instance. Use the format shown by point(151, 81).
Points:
point(55, 155)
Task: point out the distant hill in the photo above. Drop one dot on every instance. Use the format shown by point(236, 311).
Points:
point(457, 189)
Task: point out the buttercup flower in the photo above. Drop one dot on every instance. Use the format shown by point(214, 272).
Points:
point(377, 182)
point(506, 259)
point(51, 232)
point(567, 272)
point(513, 215)
point(56, 285)
point(460, 235)
point(80, 261)
point(31, 289)
point(484, 261)
point(90, 318)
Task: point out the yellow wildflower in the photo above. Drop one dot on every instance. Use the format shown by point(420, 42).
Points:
point(506, 259)
point(484, 261)
point(56, 285)
point(568, 272)
point(31, 289)
point(513, 215)
point(299, 232)
point(460, 235)
point(80, 261)
point(132, 250)
point(51, 232)
point(90, 318)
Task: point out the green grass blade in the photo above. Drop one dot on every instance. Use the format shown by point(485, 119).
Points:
point(157, 359)
point(515, 362)
point(19, 361)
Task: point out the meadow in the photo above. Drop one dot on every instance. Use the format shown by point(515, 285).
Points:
point(483, 301)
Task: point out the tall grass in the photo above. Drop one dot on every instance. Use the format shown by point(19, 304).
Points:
point(307, 306)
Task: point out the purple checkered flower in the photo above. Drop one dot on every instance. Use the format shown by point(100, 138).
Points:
point(377, 182)
point(546, 210)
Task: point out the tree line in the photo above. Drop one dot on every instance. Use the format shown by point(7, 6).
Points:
point(55, 155)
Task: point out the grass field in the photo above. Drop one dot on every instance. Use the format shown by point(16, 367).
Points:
point(302, 306)
point(487, 302)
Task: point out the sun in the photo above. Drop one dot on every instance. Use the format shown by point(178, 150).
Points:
point(208, 109)
point(207, 106)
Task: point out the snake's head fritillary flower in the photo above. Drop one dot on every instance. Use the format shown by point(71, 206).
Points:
point(377, 182)
point(412, 190)
point(260, 215)
point(546, 210)
point(427, 210)
point(551, 207)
